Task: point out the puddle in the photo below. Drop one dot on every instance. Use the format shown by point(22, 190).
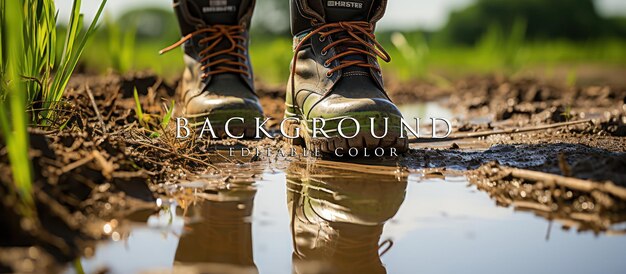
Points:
point(321, 217)
point(425, 111)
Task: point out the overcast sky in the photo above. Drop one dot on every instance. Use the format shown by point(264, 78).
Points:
point(429, 14)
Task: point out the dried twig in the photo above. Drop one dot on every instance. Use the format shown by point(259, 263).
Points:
point(77, 164)
point(95, 108)
point(572, 183)
point(107, 167)
point(132, 174)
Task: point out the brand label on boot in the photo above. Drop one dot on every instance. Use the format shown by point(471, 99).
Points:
point(344, 4)
point(219, 6)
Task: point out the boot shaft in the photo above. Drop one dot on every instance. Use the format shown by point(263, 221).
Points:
point(215, 34)
point(306, 14)
point(196, 14)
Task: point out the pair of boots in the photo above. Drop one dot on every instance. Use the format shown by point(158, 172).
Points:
point(334, 73)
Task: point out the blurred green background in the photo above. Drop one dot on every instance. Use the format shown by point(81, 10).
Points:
point(564, 39)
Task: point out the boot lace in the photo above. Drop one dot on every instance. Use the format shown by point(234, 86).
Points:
point(354, 44)
point(222, 64)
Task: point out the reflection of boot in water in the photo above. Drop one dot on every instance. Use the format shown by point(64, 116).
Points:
point(337, 218)
point(221, 239)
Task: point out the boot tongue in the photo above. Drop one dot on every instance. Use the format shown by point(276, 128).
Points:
point(347, 10)
point(216, 12)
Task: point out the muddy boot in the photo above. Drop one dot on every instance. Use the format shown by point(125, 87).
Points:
point(335, 75)
point(217, 83)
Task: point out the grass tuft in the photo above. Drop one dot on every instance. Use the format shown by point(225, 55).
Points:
point(150, 122)
point(28, 45)
point(74, 45)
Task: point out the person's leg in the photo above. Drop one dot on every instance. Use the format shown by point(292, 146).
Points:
point(337, 76)
point(217, 82)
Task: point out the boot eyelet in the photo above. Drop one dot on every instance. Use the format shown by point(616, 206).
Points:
point(324, 52)
point(329, 75)
point(322, 38)
point(326, 64)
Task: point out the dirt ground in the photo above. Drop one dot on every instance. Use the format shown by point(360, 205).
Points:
point(104, 164)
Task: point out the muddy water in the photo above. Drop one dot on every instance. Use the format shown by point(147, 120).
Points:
point(325, 217)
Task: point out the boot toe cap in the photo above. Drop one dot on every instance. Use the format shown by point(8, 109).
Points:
point(334, 110)
point(348, 107)
point(220, 109)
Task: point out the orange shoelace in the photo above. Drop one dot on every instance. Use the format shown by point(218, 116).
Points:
point(217, 34)
point(355, 30)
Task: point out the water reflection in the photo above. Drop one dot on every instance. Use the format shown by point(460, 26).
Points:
point(218, 237)
point(218, 230)
point(338, 214)
point(336, 220)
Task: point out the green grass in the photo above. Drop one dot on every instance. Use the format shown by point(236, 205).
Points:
point(47, 65)
point(33, 79)
point(414, 55)
point(458, 61)
point(415, 58)
point(149, 122)
point(168, 115)
point(270, 58)
point(506, 48)
point(13, 116)
point(121, 46)
point(73, 48)
point(139, 109)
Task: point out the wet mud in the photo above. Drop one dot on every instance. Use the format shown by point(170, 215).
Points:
point(573, 160)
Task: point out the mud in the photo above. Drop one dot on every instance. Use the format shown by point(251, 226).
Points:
point(106, 165)
point(574, 203)
point(566, 159)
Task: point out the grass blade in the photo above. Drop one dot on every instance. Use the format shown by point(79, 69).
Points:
point(168, 116)
point(138, 108)
point(13, 116)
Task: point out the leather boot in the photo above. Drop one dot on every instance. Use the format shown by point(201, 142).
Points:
point(335, 75)
point(218, 81)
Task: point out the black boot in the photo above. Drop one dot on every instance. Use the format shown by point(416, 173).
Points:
point(218, 81)
point(335, 75)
